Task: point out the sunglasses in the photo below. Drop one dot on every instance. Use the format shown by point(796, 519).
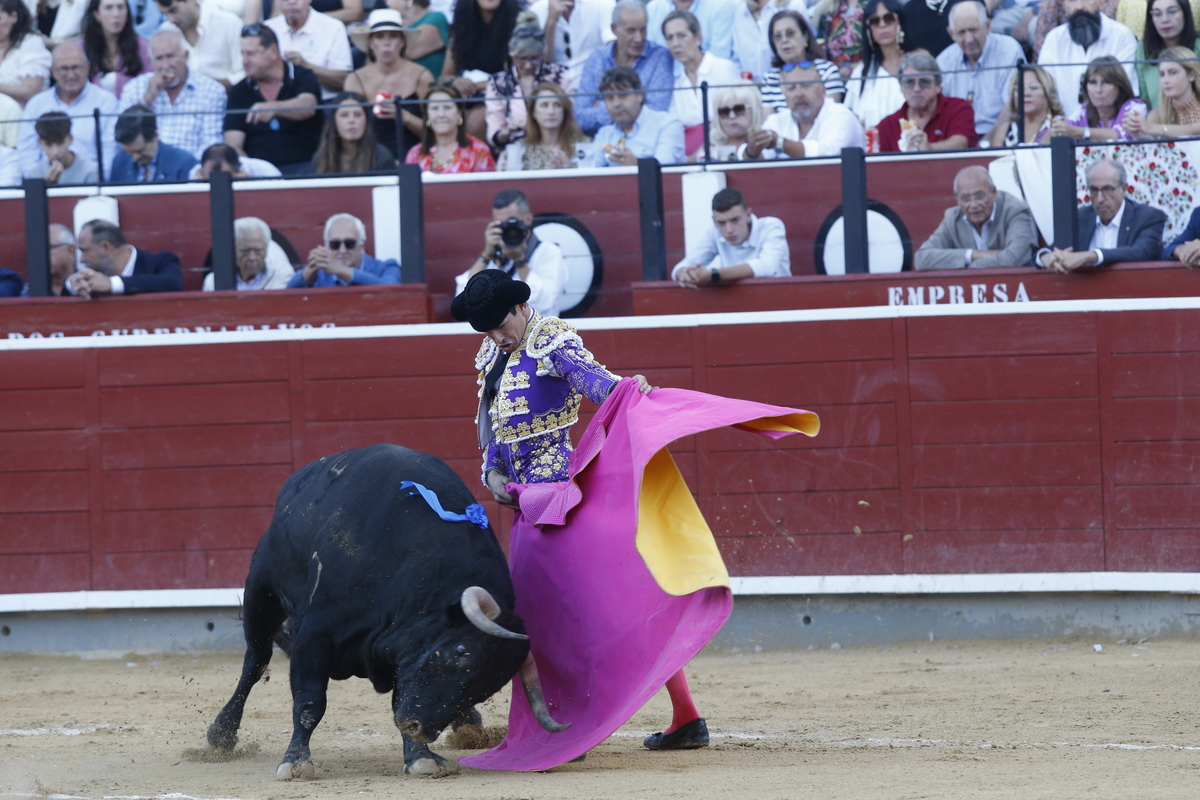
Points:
point(252, 30)
point(791, 65)
point(912, 83)
point(338, 244)
point(731, 111)
point(887, 19)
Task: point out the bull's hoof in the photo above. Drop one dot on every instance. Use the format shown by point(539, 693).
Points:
point(296, 771)
point(430, 766)
point(220, 739)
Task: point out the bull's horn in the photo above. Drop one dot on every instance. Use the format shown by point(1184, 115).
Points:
point(537, 701)
point(482, 609)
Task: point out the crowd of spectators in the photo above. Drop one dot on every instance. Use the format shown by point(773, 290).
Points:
point(478, 85)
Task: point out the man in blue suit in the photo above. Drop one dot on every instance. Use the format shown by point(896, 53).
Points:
point(113, 266)
point(1113, 228)
point(143, 158)
point(342, 260)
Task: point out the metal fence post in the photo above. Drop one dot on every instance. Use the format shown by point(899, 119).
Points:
point(1062, 178)
point(854, 209)
point(1020, 103)
point(650, 210)
point(704, 103)
point(220, 204)
point(99, 146)
point(412, 224)
point(37, 237)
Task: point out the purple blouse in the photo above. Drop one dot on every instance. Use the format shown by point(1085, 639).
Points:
point(122, 78)
point(1130, 105)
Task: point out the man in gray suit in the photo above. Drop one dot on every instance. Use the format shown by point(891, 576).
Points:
point(988, 228)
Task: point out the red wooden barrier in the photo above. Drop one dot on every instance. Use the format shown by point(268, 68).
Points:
point(979, 443)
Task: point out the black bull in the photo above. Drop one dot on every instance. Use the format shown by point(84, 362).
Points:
point(373, 583)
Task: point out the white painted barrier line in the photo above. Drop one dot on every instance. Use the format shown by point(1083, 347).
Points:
point(612, 323)
point(800, 585)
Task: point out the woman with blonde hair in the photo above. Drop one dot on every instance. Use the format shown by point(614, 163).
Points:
point(1041, 107)
point(551, 133)
point(1178, 111)
point(738, 113)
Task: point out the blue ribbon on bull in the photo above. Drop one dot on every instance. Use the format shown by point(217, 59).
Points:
point(473, 513)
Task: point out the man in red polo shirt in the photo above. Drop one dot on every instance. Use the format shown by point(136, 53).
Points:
point(928, 120)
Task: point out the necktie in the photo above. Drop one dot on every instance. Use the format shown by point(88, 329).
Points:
point(148, 173)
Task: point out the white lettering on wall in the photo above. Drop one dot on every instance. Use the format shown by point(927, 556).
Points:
point(956, 294)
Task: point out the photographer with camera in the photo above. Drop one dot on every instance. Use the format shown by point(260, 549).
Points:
point(511, 245)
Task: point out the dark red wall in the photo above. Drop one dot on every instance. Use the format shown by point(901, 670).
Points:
point(998, 443)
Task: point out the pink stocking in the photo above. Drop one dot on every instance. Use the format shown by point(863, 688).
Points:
point(683, 707)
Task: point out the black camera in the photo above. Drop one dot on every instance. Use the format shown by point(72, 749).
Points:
point(513, 232)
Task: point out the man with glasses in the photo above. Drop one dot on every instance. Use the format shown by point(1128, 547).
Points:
point(928, 120)
point(987, 228)
point(77, 98)
point(261, 264)
point(811, 125)
point(1113, 227)
point(980, 63)
point(745, 245)
point(342, 261)
point(211, 37)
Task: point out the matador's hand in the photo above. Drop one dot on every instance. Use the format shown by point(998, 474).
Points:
point(496, 481)
point(643, 385)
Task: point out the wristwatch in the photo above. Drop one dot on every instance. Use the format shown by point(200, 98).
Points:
point(716, 275)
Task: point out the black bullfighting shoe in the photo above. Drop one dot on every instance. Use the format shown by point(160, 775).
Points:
point(686, 737)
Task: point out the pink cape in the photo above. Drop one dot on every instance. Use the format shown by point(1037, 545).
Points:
point(604, 633)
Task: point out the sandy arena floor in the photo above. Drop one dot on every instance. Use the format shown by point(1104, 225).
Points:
point(1021, 719)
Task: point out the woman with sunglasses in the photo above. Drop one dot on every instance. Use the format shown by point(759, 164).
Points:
point(873, 91)
point(739, 114)
point(507, 90)
point(792, 41)
point(447, 147)
point(681, 30)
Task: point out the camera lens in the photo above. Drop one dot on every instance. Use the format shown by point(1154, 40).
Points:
point(512, 232)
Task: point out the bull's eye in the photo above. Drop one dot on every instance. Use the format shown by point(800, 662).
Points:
point(461, 650)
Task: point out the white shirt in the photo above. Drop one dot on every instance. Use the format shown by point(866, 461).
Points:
point(218, 49)
point(589, 27)
point(1105, 236)
point(834, 128)
point(321, 40)
point(10, 167)
point(879, 97)
point(765, 250)
point(1115, 40)
point(118, 285)
point(687, 100)
point(275, 275)
point(547, 279)
point(751, 47)
point(28, 59)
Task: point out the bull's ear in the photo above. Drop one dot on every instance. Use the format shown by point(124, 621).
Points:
point(455, 613)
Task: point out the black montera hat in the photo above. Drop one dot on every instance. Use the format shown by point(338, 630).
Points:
point(487, 298)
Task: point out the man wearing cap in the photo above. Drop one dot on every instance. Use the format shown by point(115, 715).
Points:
point(533, 374)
